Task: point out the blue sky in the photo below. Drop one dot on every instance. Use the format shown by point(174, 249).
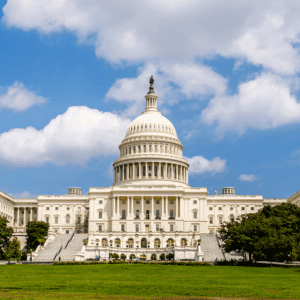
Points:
point(74, 74)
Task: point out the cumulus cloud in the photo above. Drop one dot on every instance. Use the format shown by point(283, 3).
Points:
point(264, 102)
point(262, 32)
point(199, 165)
point(18, 98)
point(249, 177)
point(73, 137)
point(172, 81)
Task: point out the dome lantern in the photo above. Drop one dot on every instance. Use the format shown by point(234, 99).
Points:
point(151, 98)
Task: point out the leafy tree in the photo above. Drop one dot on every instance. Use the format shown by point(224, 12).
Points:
point(170, 256)
point(123, 256)
point(162, 256)
point(37, 232)
point(116, 256)
point(5, 235)
point(13, 251)
point(271, 234)
point(153, 256)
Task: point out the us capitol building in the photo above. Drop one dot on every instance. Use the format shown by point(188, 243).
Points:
point(150, 209)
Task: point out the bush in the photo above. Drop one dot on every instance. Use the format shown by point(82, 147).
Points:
point(132, 256)
point(116, 256)
point(162, 256)
point(153, 257)
point(123, 256)
point(170, 256)
point(143, 257)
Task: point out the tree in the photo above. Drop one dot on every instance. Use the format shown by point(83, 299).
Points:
point(162, 256)
point(271, 234)
point(153, 257)
point(13, 251)
point(37, 232)
point(170, 256)
point(123, 256)
point(5, 235)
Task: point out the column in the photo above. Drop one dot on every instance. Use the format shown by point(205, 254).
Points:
point(115, 174)
point(146, 164)
point(172, 171)
point(153, 175)
point(162, 207)
point(181, 203)
point(140, 170)
point(18, 217)
point(127, 171)
point(167, 208)
point(132, 212)
point(133, 171)
point(165, 171)
point(127, 214)
point(177, 173)
point(183, 174)
point(152, 207)
point(187, 175)
point(113, 200)
point(159, 171)
point(176, 213)
point(30, 214)
point(24, 216)
point(142, 209)
point(123, 171)
point(118, 208)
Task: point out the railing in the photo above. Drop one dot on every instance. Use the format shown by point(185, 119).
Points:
point(69, 240)
point(57, 253)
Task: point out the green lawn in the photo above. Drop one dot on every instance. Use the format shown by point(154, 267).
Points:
point(142, 281)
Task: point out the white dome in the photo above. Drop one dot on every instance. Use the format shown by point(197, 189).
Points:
point(152, 122)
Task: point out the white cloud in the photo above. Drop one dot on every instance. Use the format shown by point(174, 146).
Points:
point(18, 98)
point(73, 137)
point(262, 32)
point(24, 194)
point(249, 177)
point(172, 82)
point(265, 102)
point(199, 165)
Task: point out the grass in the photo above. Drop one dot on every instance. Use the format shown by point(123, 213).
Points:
point(146, 282)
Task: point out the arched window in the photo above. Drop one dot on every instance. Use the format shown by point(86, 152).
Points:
point(211, 220)
point(195, 215)
point(68, 219)
point(220, 220)
point(170, 242)
point(130, 243)
point(144, 243)
point(183, 242)
point(137, 214)
point(147, 214)
point(123, 214)
point(117, 242)
point(157, 214)
point(100, 214)
point(156, 243)
point(171, 214)
point(104, 242)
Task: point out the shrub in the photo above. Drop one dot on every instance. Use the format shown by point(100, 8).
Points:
point(123, 256)
point(143, 257)
point(162, 256)
point(170, 256)
point(153, 257)
point(116, 256)
point(132, 256)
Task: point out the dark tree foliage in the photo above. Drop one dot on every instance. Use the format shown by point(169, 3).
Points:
point(272, 234)
point(37, 232)
point(5, 235)
point(162, 256)
point(13, 250)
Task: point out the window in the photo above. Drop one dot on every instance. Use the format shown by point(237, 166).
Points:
point(47, 220)
point(195, 215)
point(220, 208)
point(123, 228)
point(68, 208)
point(104, 242)
point(195, 227)
point(157, 214)
point(130, 243)
point(170, 242)
point(183, 242)
point(100, 201)
point(195, 201)
point(68, 219)
point(79, 220)
point(100, 214)
point(210, 208)
point(56, 208)
point(56, 220)
point(171, 202)
point(137, 202)
point(252, 208)
point(47, 208)
point(100, 227)
point(147, 227)
point(147, 214)
point(171, 227)
point(231, 208)
point(123, 214)
point(243, 208)
point(147, 202)
point(220, 220)
point(123, 202)
point(67, 231)
point(171, 213)
point(137, 214)
point(211, 220)
point(157, 243)
point(157, 201)
point(136, 228)
point(157, 227)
